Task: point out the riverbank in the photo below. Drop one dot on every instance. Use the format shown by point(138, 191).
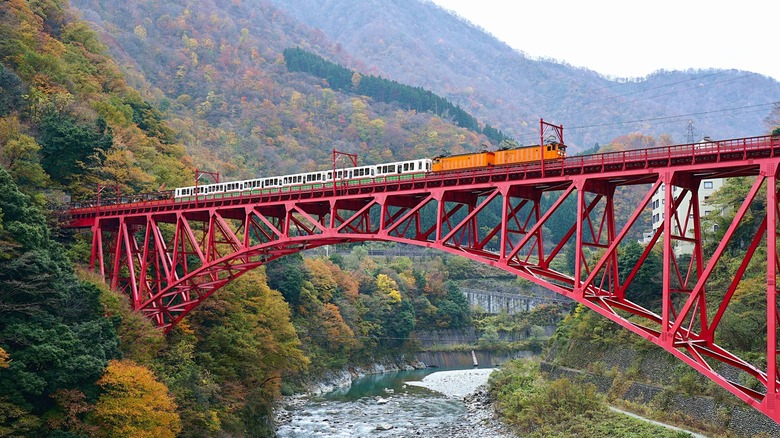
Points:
point(443, 403)
point(470, 386)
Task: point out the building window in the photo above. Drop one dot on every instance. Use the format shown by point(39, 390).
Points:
point(707, 184)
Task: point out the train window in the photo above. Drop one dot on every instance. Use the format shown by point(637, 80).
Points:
point(338, 174)
point(548, 148)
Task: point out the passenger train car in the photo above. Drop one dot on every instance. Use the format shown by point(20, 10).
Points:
point(311, 180)
point(373, 173)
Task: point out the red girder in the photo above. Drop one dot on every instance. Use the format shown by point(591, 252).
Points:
point(170, 256)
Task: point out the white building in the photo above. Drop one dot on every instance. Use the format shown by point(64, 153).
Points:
point(706, 189)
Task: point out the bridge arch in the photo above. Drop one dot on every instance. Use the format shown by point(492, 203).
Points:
point(170, 256)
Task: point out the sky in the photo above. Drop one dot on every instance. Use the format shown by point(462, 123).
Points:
point(629, 39)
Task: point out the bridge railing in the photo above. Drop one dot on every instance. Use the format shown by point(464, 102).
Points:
point(715, 150)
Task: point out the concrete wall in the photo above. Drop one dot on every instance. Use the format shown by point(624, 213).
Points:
point(496, 302)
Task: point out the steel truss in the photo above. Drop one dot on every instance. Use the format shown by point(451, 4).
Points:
point(169, 257)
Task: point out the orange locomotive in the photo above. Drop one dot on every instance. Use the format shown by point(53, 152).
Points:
point(501, 157)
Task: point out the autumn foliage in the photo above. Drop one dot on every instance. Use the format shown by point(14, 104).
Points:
point(134, 404)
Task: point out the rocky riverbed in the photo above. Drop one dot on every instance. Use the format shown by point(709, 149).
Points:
point(470, 386)
point(447, 403)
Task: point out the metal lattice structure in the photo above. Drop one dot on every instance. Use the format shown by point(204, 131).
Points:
point(170, 256)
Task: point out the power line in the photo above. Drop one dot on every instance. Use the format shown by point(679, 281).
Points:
point(675, 117)
point(676, 91)
point(658, 87)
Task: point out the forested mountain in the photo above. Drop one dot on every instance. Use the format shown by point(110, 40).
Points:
point(418, 43)
point(217, 69)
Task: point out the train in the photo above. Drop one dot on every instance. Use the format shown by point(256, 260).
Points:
point(397, 171)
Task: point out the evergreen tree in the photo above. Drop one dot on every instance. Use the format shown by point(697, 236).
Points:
point(51, 324)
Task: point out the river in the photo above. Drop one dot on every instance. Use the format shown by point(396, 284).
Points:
point(388, 405)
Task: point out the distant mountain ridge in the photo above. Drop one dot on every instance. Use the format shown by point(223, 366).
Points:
point(216, 68)
point(419, 43)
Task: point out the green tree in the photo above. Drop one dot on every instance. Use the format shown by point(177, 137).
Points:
point(70, 147)
point(287, 276)
point(453, 311)
point(51, 324)
point(11, 91)
point(646, 288)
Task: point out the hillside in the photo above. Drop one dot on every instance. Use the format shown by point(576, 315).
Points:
point(218, 71)
point(68, 118)
point(418, 43)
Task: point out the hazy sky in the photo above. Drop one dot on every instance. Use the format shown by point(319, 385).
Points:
point(633, 39)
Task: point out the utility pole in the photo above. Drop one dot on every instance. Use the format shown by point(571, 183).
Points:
point(690, 132)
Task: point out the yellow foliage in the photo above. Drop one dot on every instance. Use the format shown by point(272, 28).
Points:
point(134, 404)
point(321, 276)
point(4, 358)
point(356, 80)
point(140, 32)
point(389, 287)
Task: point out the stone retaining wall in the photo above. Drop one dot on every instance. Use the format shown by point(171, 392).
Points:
point(740, 419)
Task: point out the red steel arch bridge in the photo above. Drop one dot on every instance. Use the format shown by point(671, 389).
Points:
point(170, 256)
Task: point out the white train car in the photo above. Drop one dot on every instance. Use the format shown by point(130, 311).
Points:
point(397, 171)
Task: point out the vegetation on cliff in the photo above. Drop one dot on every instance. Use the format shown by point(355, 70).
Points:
point(537, 406)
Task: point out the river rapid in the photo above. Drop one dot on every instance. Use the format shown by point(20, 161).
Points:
point(419, 403)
